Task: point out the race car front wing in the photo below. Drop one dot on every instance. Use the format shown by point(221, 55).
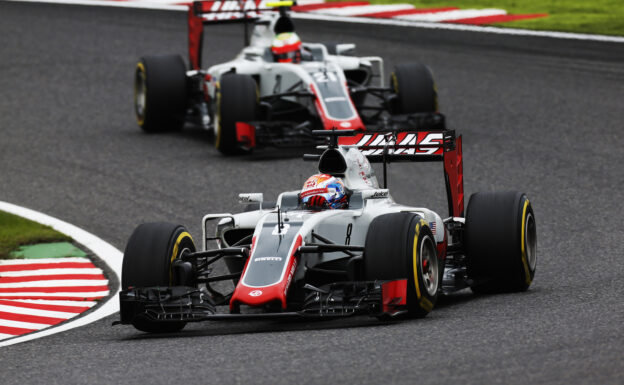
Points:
point(191, 304)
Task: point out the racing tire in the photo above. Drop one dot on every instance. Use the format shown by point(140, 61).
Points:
point(151, 249)
point(500, 241)
point(160, 93)
point(402, 246)
point(237, 101)
point(415, 89)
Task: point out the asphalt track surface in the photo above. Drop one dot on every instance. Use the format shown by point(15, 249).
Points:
point(539, 115)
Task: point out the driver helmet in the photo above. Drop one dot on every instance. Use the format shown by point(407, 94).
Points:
point(286, 48)
point(322, 191)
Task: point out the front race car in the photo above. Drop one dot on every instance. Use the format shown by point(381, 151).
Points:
point(369, 256)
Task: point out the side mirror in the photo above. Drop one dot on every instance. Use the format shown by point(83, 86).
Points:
point(250, 198)
point(345, 49)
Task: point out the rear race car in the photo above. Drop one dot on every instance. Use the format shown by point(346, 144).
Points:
point(367, 256)
point(278, 89)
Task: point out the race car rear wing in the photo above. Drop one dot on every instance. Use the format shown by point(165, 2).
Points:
point(218, 12)
point(416, 145)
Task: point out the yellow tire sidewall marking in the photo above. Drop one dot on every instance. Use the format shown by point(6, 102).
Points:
point(141, 120)
point(176, 246)
point(395, 83)
point(527, 273)
point(422, 300)
point(415, 255)
point(426, 304)
point(415, 259)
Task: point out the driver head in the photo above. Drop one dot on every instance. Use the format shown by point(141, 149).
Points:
point(286, 48)
point(322, 191)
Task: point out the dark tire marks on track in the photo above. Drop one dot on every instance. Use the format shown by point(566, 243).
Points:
point(540, 115)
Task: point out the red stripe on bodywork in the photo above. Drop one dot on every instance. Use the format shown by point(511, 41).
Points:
point(495, 19)
point(39, 266)
point(337, 4)
point(30, 318)
point(32, 278)
point(389, 14)
point(15, 331)
point(42, 306)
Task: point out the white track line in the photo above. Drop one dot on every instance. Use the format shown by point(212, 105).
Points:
point(71, 294)
point(56, 283)
point(110, 3)
point(57, 302)
point(106, 252)
point(38, 272)
point(37, 312)
point(456, 14)
point(26, 262)
point(363, 9)
point(23, 325)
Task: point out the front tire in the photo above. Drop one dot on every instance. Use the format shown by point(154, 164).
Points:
point(401, 246)
point(150, 251)
point(160, 93)
point(501, 242)
point(415, 89)
point(237, 101)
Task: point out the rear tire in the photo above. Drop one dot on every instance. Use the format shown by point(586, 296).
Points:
point(151, 249)
point(415, 89)
point(401, 246)
point(160, 93)
point(501, 241)
point(237, 101)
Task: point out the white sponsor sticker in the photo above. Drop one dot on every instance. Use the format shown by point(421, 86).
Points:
point(376, 194)
point(260, 259)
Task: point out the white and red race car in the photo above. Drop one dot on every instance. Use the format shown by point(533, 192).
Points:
point(255, 100)
point(371, 256)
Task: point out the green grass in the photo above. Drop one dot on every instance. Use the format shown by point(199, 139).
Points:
point(604, 17)
point(16, 231)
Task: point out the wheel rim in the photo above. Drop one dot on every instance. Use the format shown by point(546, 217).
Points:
point(530, 241)
point(429, 265)
point(140, 94)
